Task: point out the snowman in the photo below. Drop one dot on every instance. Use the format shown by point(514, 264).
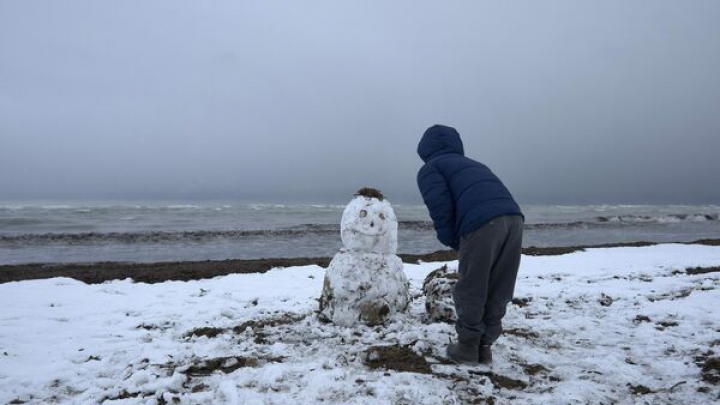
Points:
point(365, 282)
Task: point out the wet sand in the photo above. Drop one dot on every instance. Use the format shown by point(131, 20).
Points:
point(93, 273)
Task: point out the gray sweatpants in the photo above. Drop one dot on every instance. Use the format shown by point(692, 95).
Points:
point(489, 260)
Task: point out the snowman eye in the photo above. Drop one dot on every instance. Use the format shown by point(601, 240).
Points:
point(363, 214)
point(382, 215)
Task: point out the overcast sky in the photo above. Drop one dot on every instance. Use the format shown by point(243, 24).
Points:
point(567, 101)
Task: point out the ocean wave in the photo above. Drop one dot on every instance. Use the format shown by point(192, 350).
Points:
point(415, 225)
point(182, 207)
point(302, 230)
point(658, 219)
point(20, 221)
point(141, 237)
point(151, 236)
point(295, 207)
point(598, 222)
point(110, 207)
point(262, 207)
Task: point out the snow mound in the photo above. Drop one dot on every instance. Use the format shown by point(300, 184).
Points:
point(437, 288)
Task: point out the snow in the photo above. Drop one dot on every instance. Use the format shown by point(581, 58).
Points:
point(621, 325)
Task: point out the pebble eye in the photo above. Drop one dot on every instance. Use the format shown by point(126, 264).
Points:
point(363, 214)
point(382, 215)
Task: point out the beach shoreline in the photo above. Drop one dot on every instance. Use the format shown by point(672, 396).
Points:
point(157, 272)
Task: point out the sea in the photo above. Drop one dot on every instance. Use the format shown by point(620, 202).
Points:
point(155, 232)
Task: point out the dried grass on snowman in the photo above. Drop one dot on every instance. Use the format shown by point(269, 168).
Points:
point(365, 282)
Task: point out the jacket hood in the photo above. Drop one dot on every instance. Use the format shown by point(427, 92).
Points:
point(439, 140)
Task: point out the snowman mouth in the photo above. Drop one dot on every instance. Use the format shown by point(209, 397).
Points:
point(358, 232)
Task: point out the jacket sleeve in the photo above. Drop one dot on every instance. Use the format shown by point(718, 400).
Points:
point(440, 204)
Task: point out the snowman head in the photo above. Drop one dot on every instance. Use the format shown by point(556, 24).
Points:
point(369, 224)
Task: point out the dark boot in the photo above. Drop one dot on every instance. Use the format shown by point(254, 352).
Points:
point(485, 355)
point(463, 353)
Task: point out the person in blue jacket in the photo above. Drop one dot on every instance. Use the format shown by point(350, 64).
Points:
point(474, 213)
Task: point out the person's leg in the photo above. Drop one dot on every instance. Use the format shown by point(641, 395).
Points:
point(478, 252)
point(501, 281)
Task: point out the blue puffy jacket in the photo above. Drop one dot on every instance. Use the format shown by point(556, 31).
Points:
point(461, 194)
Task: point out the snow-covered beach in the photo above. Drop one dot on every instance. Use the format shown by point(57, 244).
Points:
point(620, 325)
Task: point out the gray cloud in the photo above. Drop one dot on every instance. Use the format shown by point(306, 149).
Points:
point(568, 102)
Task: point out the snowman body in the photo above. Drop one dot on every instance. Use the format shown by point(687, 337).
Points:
point(365, 281)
